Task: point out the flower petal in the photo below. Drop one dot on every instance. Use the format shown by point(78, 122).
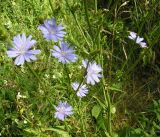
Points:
point(12, 53)
point(19, 60)
point(33, 52)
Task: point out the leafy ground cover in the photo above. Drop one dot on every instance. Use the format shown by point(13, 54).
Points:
point(91, 68)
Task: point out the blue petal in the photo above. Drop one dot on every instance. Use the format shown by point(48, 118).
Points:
point(19, 60)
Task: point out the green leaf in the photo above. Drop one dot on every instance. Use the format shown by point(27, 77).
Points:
point(100, 102)
point(58, 131)
point(116, 87)
point(101, 123)
point(31, 131)
point(96, 111)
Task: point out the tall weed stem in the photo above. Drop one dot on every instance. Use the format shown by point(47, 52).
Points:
point(50, 3)
point(105, 91)
point(87, 18)
point(78, 25)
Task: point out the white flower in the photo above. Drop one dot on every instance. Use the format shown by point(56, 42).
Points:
point(20, 96)
point(137, 39)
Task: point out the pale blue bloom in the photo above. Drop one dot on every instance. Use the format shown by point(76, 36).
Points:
point(132, 35)
point(137, 39)
point(52, 31)
point(82, 91)
point(93, 71)
point(63, 110)
point(21, 49)
point(64, 53)
point(85, 63)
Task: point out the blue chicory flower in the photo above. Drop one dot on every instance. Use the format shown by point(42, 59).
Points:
point(82, 91)
point(93, 71)
point(137, 39)
point(64, 53)
point(21, 49)
point(52, 31)
point(132, 35)
point(63, 110)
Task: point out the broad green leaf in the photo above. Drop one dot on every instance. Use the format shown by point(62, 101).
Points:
point(96, 111)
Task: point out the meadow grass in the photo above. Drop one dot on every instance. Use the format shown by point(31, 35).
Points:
point(125, 103)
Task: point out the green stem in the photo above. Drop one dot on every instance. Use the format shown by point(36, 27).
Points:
point(109, 114)
point(81, 117)
point(68, 78)
point(108, 104)
point(50, 3)
point(33, 72)
point(42, 83)
point(79, 27)
point(87, 18)
point(135, 63)
point(66, 125)
point(67, 71)
point(109, 3)
point(106, 94)
point(83, 77)
point(95, 2)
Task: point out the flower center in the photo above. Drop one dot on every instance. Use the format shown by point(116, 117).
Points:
point(63, 53)
point(22, 50)
point(51, 32)
point(91, 71)
point(61, 110)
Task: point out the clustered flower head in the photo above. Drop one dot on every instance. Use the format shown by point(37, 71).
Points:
point(63, 110)
point(93, 72)
point(22, 49)
point(64, 53)
point(81, 89)
point(52, 31)
point(137, 39)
